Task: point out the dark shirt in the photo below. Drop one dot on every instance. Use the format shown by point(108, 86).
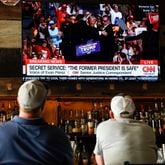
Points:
point(150, 44)
point(107, 43)
point(33, 142)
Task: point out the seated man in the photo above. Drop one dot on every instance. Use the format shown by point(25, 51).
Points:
point(123, 139)
point(27, 139)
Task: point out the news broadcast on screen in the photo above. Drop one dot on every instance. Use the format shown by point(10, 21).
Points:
point(84, 41)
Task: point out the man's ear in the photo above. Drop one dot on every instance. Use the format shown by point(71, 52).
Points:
point(18, 101)
point(42, 106)
point(111, 114)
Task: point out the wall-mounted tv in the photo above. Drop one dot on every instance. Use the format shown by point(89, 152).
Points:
point(86, 41)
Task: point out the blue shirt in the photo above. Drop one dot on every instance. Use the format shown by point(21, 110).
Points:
point(33, 142)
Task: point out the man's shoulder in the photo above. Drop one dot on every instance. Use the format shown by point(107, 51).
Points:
point(7, 128)
point(6, 124)
point(106, 122)
point(138, 122)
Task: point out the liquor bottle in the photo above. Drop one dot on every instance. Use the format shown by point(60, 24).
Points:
point(90, 124)
point(83, 114)
point(2, 113)
point(146, 114)
point(92, 160)
point(153, 126)
point(77, 152)
point(85, 156)
point(96, 122)
point(77, 114)
point(162, 109)
point(68, 127)
point(157, 113)
point(160, 127)
point(83, 123)
point(62, 125)
point(142, 113)
point(71, 115)
point(9, 112)
point(58, 114)
point(101, 111)
point(150, 116)
point(95, 112)
point(136, 115)
point(106, 112)
point(15, 110)
point(76, 127)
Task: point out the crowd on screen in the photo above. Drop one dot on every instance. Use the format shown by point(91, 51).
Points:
point(50, 29)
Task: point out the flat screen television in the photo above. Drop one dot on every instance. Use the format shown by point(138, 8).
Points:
point(86, 41)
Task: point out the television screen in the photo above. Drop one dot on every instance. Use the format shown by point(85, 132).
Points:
point(90, 41)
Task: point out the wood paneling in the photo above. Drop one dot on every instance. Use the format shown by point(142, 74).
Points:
point(89, 90)
point(10, 12)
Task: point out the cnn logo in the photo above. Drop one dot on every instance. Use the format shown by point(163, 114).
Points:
point(149, 69)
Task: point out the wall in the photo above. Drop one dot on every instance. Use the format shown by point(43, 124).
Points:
point(10, 40)
point(91, 90)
